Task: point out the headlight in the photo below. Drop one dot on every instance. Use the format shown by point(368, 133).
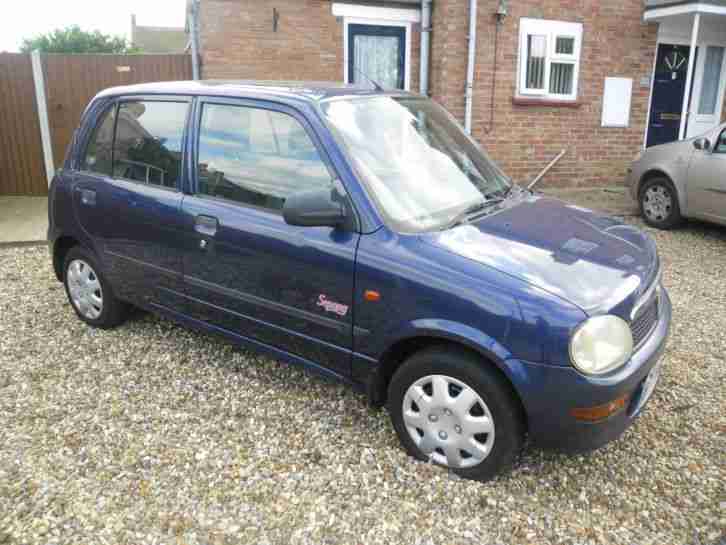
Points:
point(601, 344)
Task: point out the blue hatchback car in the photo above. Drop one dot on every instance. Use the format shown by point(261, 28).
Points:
point(364, 235)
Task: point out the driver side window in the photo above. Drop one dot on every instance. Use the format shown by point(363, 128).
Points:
point(256, 156)
point(720, 146)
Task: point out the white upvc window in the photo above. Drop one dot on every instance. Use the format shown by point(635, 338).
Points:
point(549, 59)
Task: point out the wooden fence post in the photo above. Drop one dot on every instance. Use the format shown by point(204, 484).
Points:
point(39, 81)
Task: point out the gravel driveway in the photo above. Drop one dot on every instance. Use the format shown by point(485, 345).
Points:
point(154, 434)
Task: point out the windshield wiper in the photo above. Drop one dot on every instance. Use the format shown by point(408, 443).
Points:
point(464, 215)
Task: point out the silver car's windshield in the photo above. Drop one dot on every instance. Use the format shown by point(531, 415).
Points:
point(421, 167)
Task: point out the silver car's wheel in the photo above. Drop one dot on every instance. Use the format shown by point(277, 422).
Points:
point(657, 203)
point(448, 421)
point(84, 288)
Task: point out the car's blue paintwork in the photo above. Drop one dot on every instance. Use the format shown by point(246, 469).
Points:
point(511, 286)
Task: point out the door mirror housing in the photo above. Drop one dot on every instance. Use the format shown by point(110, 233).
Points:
point(322, 207)
point(702, 144)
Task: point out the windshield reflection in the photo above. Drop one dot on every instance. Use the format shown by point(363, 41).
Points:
point(421, 168)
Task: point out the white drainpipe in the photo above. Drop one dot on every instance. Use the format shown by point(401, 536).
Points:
point(425, 46)
point(470, 65)
point(689, 76)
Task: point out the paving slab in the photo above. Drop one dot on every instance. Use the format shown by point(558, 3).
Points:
point(23, 220)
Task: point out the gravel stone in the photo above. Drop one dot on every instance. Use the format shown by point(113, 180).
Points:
point(151, 433)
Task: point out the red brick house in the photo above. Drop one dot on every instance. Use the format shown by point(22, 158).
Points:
point(600, 79)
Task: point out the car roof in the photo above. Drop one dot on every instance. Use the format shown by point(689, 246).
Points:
point(310, 91)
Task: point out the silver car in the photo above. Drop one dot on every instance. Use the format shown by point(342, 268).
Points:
point(685, 179)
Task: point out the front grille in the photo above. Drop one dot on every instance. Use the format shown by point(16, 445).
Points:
point(642, 325)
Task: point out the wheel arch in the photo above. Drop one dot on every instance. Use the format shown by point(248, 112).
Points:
point(61, 246)
point(658, 172)
point(490, 352)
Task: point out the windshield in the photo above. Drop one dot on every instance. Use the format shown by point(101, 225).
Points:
point(420, 166)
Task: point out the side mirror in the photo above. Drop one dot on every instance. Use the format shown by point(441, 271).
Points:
point(323, 207)
point(702, 144)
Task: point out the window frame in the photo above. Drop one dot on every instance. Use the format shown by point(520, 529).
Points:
point(98, 115)
point(551, 30)
point(715, 149)
point(260, 105)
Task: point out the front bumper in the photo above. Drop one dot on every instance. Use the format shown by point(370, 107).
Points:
point(553, 392)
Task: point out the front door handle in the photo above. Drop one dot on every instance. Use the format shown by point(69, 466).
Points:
point(206, 225)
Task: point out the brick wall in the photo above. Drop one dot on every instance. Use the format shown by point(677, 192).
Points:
point(523, 139)
point(238, 42)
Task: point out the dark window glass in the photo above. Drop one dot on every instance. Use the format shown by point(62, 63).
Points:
point(149, 142)
point(98, 151)
point(721, 144)
point(256, 157)
point(565, 45)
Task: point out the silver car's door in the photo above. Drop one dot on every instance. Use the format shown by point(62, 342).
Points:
point(706, 185)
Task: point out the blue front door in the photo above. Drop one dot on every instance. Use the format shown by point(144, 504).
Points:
point(669, 87)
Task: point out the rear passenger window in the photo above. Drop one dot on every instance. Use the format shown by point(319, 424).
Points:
point(256, 157)
point(98, 152)
point(148, 145)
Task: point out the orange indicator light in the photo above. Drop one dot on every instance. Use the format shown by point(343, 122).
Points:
point(371, 295)
point(601, 412)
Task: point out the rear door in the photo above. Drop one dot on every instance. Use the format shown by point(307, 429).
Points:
point(246, 270)
point(128, 197)
point(706, 187)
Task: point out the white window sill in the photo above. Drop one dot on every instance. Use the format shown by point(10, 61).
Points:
point(545, 102)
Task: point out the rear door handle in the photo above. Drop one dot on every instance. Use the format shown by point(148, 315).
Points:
point(88, 196)
point(206, 225)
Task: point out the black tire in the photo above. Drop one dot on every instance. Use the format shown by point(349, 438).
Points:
point(113, 311)
point(670, 217)
point(486, 382)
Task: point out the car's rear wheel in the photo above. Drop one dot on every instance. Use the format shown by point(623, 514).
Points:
point(659, 203)
point(88, 291)
point(450, 407)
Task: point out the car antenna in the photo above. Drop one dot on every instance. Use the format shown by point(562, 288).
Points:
point(375, 84)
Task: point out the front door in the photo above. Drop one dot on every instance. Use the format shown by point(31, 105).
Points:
point(707, 181)
point(377, 53)
point(669, 88)
point(245, 269)
point(708, 89)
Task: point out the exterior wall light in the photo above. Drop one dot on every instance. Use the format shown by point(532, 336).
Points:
point(502, 11)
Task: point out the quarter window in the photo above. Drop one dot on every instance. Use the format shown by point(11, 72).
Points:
point(549, 58)
point(255, 156)
point(98, 152)
point(720, 146)
point(148, 144)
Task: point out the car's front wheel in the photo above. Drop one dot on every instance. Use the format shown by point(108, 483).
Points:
point(659, 204)
point(450, 407)
point(88, 291)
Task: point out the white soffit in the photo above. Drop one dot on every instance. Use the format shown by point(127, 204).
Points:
point(374, 12)
point(670, 11)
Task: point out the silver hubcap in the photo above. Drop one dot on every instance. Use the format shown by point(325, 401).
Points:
point(85, 289)
point(657, 203)
point(448, 421)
